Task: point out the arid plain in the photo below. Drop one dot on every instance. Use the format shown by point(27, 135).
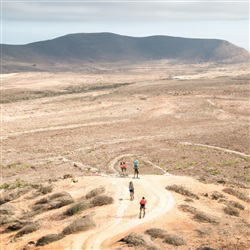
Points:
point(188, 125)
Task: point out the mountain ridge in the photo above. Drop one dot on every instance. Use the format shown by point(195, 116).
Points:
point(82, 48)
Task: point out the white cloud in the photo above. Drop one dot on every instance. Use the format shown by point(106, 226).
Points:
point(122, 11)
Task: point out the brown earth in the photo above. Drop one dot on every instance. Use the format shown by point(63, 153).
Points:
point(180, 120)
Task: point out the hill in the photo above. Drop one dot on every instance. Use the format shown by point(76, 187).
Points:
point(87, 51)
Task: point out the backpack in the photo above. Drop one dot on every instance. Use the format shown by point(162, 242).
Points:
point(143, 202)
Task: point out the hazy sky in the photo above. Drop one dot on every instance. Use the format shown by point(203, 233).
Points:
point(26, 21)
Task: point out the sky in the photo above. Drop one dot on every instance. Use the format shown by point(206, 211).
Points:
point(27, 21)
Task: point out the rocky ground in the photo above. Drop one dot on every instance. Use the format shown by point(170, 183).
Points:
point(68, 132)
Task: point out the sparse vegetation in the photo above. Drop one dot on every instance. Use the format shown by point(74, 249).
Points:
point(198, 215)
point(133, 239)
point(181, 190)
point(80, 224)
point(95, 192)
point(217, 195)
point(34, 226)
point(156, 232)
point(102, 200)
point(48, 239)
point(236, 193)
point(175, 240)
point(231, 211)
point(81, 206)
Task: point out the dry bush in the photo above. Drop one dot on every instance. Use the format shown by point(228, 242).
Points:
point(48, 239)
point(17, 225)
point(236, 204)
point(181, 190)
point(81, 206)
point(4, 219)
point(54, 201)
point(14, 195)
point(45, 189)
point(42, 201)
point(80, 224)
point(102, 200)
point(198, 215)
point(231, 211)
point(95, 192)
point(236, 193)
point(156, 232)
point(175, 240)
point(60, 194)
point(7, 209)
point(205, 248)
point(216, 195)
point(60, 202)
point(133, 239)
point(28, 229)
point(203, 232)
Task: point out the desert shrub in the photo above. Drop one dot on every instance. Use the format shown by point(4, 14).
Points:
point(175, 240)
point(4, 219)
point(236, 193)
point(60, 202)
point(81, 206)
point(231, 211)
point(45, 189)
point(202, 217)
point(48, 239)
point(54, 201)
point(95, 192)
point(181, 190)
point(188, 200)
point(7, 209)
point(60, 194)
point(236, 204)
point(198, 215)
point(13, 195)
point(17, 225)
point(133, 240)
point(156, 232)
point(42, 201)
point(102, 200)
point(28, 229)
point(80, 224)
point(40, 207)
point(203, 232)
point(216, 195)
point(205, 248)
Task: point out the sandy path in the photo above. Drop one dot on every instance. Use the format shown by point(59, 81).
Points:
point(159, 200)
point(126, 215)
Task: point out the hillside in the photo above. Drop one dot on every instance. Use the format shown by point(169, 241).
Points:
point(65, 134)
point(90, 51)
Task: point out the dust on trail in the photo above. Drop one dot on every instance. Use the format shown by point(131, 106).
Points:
point(159, 200)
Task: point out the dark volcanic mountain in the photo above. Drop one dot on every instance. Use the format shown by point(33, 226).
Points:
point(72, 51)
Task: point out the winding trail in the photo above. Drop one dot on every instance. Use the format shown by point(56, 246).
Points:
point(125, 217)
point(161, 201)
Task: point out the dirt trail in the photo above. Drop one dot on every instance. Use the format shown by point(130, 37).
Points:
point(126, 217)
point(159, 202)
